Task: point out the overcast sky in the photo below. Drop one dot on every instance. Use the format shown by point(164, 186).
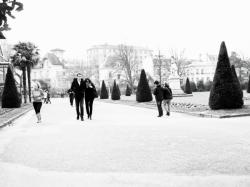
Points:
point(196, 25)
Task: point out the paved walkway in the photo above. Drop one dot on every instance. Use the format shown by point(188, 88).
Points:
point(123, 146)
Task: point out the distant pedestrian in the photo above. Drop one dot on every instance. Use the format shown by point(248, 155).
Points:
point(90, 95)
point(71, 96)
point(48, 97)
point(167, 97)
point(78, 86)
point(37, 95)
point(45, 97)
point(158, 92)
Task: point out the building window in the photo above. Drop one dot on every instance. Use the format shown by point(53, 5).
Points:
point(202, 71)
point(118, 76)
point(197, 71)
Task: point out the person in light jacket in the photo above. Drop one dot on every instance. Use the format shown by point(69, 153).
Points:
point(37, 95)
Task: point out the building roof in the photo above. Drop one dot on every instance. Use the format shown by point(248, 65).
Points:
point(53, 59)
point(108, 46)
point(57, 49)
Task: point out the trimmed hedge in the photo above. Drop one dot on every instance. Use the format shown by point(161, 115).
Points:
point(10, 97)
point(225, 92)
point(143, 93)
point(187, 88)
point(104, 92)
point(128, 91)
point(115, 92)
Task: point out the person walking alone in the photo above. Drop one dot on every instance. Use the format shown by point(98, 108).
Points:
point(90, 95)
point(78, 87)
point(158, 92)
point(37, 95)
point(167, 97)
point(71, 96)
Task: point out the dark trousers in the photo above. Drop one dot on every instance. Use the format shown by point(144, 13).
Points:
point(89, 106)
point(71, 99)
point(79, 106)
point(159, 106)
point(37, 106)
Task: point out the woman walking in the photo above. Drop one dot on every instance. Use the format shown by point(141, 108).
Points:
point(90, 95)
point(37, 95)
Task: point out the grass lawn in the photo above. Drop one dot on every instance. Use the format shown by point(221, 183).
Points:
point(198, 98)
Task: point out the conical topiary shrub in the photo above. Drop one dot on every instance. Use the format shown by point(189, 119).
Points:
point(104, 92)
point(143, 93)
point(187, 88)
point(128, 91)
point(115, 92)
point(10, 96)
point(236, 79)
point(225, 92)
point(248, 85)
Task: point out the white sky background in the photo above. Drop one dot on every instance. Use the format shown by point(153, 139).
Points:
point(199, 26)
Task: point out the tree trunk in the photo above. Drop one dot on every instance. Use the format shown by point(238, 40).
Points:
point(24, 85)
point(29, 82)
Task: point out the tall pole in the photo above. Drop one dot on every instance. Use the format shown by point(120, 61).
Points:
point(159, 56)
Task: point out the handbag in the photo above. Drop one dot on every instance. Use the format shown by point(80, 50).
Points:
point(95, 93)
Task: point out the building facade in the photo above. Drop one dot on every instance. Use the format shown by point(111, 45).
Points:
point(201, 69)
point(98, 56)
point(52, 71)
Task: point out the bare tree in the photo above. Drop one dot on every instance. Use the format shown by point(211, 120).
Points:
point(161, 66)
point(180, 60)
point(125, 61)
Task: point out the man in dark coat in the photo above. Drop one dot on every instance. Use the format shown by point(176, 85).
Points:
point(78, 87)
point(158, 92)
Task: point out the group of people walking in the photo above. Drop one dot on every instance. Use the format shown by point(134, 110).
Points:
point(163, 95)
point(83, 89)
point(80, 89)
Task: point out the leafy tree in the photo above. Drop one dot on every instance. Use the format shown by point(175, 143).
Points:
point(143, 93)
point(187, 88)
point(104, 91)
point(225, 92)
point(200, 86)
point(10, 96)
point(128, 91)
point(193, 86)
point(25, 57)
point(115, 92)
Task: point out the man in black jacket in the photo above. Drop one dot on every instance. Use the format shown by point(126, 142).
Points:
point(158, 92)
point(78, 87)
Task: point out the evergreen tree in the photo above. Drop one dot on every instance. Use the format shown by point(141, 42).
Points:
point(225, 92)
point(10, 96)
point(128, 91)
point(104, 91)
point(115, 92)
point(143, 93)
point(248, 85)
point(187, 88)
